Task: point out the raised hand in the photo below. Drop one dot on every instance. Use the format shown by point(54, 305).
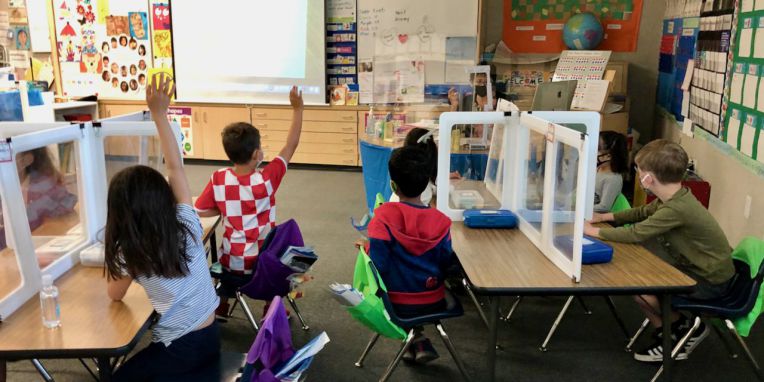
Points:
point(295, 98)
point(159, 93)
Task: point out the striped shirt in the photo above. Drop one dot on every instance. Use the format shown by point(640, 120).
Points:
point(184, 303)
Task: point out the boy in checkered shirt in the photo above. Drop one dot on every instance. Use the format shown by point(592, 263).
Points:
point(246, 198)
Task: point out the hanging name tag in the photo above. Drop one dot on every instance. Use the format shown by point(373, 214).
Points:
point(6, 154)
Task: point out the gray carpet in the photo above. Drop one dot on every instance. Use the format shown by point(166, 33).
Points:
point(585, 348)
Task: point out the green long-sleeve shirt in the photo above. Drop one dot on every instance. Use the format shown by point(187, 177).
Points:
point(688, 231)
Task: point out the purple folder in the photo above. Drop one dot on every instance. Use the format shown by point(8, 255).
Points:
point(272, 346)
point(270, 277)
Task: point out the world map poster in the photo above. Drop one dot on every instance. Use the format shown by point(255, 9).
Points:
point(536, 26)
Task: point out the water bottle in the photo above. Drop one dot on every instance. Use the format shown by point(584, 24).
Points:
point(51, 312)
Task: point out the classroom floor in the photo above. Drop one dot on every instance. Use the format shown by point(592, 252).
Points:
point(585, 348)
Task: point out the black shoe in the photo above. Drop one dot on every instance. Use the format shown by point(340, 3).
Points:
point(654, 352)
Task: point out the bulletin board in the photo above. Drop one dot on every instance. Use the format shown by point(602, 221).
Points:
point(438, 38)
point(535, 26)
point(104, 47)
point(744, 101)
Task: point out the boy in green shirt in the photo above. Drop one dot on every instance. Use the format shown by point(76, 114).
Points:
point(686, 229)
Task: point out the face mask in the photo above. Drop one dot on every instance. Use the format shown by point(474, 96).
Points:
point(481, 90)
point(642, 183)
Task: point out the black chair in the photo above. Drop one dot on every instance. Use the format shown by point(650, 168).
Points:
point(738, 302)
point(454, 309)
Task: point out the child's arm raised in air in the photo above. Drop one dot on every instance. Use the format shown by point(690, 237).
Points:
point(158, 95)
point(293, 139)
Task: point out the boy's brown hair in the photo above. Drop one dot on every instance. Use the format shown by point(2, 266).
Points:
point(240, 140)
point(666, 159)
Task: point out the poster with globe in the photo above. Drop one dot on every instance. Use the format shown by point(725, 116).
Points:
point(550, 26)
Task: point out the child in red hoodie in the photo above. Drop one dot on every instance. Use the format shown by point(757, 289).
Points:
point(410, 244)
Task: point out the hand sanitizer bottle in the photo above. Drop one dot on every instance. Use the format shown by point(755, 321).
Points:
point(51, 312)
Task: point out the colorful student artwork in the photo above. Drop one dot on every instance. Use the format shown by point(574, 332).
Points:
point(536, 26)
point(139, 25)
point(162, 44)
point(182, 116)
point(116, 25)
point(161, 15)
point(21, 37)
point(125, 66)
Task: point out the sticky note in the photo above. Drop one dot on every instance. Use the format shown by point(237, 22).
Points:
point(746, 36)
point(736, 94)
point(733, 129)
point(746, 140)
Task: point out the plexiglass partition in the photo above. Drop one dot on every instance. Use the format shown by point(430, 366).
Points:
point(45, 223)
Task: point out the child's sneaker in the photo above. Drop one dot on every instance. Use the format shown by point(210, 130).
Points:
point(654, 352)
point(424, 351)
point(409, 356)
point(697, 337)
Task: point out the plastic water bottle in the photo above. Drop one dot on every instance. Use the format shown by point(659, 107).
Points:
point(51, 312)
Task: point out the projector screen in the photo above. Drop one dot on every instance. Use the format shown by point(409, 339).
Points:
point(249, 51)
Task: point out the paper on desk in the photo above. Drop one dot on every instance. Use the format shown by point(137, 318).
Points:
point(688, 75)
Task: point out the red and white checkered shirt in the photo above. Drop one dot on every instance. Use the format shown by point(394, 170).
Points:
point(248, 206)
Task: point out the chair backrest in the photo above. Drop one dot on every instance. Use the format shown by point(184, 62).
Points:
point(382, 294)
point(748, 258)
point(620, 204)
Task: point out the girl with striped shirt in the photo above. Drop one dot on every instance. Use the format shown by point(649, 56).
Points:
point(154, 237)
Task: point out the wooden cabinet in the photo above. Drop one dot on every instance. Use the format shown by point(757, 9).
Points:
point(211, 120)
point(329, 136)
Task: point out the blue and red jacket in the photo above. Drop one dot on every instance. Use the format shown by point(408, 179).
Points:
point(411, 247)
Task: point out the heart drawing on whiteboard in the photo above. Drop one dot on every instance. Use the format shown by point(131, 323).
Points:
point(388, 36)
point(403, 38)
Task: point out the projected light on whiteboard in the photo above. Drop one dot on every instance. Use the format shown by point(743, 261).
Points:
point(248, 51)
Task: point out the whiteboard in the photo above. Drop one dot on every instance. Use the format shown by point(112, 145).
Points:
point(415, 29)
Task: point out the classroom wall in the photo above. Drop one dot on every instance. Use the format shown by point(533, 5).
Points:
point(643, 68)
point(732, 178)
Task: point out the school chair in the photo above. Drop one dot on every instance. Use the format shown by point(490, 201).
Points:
point(271, 276)
point(453, 310)
point(738, 309)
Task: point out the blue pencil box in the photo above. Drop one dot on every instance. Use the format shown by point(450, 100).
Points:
point(593, 251)
point(489, 219)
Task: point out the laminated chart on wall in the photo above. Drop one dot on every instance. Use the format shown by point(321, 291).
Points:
point(744, 103)
point(666, 62)
point(536, 26)
point(104, 47)
point(709, 75)
point(685, 52)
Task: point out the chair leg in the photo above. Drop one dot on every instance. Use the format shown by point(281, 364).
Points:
point(297, 311)
point(366, 351)
point(556, 323)
point(92, 374)
point(233, 306)
point(452, 350)
point(512, 309)
point(398, 356)
point(754, 364)
point(475, 300)
point(611, 306)
point(636, 336)
point(581, 301)
point(41, 369)
point(725, 338)
point(247, 311)
point(679, 346)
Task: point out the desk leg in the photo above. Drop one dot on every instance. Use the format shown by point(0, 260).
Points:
point(2, 370)
point(104, 369)
point(667, 343)
point(213, 247)
point(493, 330)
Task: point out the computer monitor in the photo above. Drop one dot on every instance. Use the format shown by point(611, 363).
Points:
point(554, 96)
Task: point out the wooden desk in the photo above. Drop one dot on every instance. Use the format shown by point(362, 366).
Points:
point(505, 262)
point(92, 325)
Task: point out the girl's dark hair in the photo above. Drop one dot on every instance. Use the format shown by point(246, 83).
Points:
point(615, 144)
point(42, 164)
point(143, 235)
point(428, 146)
